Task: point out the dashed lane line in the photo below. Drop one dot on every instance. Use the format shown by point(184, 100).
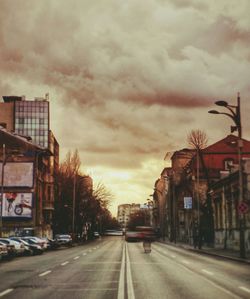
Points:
point(65, 263)
point(185, 262)
point(84, 253)
point(231, 294)
point(6, 292)
point(45, 273)
point(76, 258)
point(244, 289)
point(207, 272)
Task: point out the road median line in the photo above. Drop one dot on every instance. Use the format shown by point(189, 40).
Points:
point(6, 292)
point(130, 287)
point(121, 288)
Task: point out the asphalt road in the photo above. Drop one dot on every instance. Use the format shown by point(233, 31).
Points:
point(111, 268)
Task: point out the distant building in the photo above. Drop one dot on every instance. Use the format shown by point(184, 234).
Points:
point(124, 213)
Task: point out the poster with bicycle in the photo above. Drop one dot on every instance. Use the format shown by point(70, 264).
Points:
point(17, 205)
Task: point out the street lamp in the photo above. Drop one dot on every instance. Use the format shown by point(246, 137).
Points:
point(236, 117)
point(2, 182)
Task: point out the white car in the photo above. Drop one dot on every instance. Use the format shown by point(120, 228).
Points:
point(19, 247)
point(40, 241)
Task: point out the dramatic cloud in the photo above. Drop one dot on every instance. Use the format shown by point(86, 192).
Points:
point(127, 80)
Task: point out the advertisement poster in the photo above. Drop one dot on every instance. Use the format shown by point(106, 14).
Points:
point(17, 205)
point(18, 174)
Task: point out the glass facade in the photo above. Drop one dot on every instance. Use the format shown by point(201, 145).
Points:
point(32, 119)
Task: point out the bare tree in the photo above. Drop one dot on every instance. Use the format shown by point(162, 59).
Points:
point(71, 165)
point(103, 195)
point(197, 139)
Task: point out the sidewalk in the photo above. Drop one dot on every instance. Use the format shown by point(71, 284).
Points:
point(223, 253)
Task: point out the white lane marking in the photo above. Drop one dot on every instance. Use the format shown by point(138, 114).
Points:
point(121, 292)
point(84, 253)
point(77, 257)
point(173, 256)
point(65, 263)
point(94, 248)
point(6, 292)
point(206, 279)
point(185, 262)
point(244, 289)
point(130, 287)
point(207, 272)
point(44, 273)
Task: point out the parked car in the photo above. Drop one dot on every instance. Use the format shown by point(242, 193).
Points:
point(63, 240)
point(35, 246)
point(27, 248)
point(96, 234)
point(3, 251)
point(37, 240)
point(51, 243)
point(10, 247)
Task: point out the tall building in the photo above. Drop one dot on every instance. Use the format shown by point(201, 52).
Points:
point(31, 119)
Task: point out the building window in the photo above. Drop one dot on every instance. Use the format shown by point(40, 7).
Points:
point(21, 120)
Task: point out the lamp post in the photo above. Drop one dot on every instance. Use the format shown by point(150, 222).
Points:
point(2, 190)
point(236, 117)
point(73, 208)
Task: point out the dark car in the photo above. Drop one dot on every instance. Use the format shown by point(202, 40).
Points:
point(51, 243)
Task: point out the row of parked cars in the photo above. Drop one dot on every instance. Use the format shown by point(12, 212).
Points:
point(30, 245)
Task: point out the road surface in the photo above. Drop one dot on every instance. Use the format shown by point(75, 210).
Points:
point(112, 268)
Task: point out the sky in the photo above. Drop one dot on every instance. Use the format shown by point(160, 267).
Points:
point(128, 80)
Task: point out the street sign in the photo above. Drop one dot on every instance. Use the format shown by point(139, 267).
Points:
point(243, 207)
point(187, 202)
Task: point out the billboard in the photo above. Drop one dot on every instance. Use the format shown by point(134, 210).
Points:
point(17, 205)
point(18, 174)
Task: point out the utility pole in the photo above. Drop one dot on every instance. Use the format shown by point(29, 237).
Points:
point(2, 190)
point(73, 206)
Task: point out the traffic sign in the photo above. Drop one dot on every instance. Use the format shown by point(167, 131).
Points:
point(243, 207)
